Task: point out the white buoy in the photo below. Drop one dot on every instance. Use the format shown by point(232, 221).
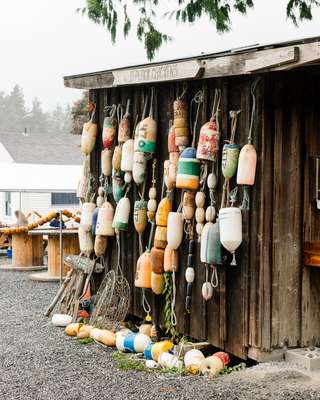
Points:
point(85, 241)
point(106, 162)
point(139, 167)
point(168, 360)
point(127, 156)
point(86, 215)
point(175, 229)
point(61, 320)
point(230, 221)
point(121, 217)
point(105, 219)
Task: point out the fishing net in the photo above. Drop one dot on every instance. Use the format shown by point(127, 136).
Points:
point(113, 300)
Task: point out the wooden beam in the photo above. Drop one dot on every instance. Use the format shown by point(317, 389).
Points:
point(237, 64)
point(277, 58)
point(159, 73)
point(94, 81)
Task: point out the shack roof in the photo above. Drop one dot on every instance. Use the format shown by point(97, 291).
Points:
point(245, 60)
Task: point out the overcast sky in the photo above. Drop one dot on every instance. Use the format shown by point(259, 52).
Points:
point(43, 40)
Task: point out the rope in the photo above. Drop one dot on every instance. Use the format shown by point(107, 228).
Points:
point(151, 102)
point(140, 244)
point(128, 108)
point(119, 113)
point(93, 112)
point(233, 196)
point(234, 120)
point(118, 269)
point(112, 109)
point(246, 199)
point(145, 304)
point(214, 277)
point(154, 166)
point(184, 91)
point(203, 176)
point(198, 100)
point(144, 108)
point(174, 295)
point(216, 107)
point(253, 110)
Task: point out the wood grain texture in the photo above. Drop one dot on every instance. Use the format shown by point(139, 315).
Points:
point(27, 250)
point(269, 300)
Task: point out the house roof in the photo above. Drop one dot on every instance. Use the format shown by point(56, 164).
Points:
point(39, 178)
point(60, 149)
point(245, 60)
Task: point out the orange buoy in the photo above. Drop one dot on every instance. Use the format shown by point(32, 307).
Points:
point(157, 260)
point(143, 271)
point(157, 283)
point(163, 210)
point(171, 260)
point(160, 237)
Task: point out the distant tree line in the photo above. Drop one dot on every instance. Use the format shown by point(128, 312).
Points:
point(15, 117)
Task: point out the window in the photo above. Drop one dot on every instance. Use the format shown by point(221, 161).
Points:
point(64, 199)
point(8, 204)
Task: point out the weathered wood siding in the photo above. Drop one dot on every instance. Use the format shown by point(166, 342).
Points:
point(262, 303)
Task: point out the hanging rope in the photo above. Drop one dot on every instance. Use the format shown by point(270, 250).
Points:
point(152, 102)
point(145, 304)
point(253, 110)
point(214, 277)
point(184, 91)
point(234, 121)
point(118, 268)
point(197, 100)
point(144, 108)
point(111, 110)
point(216, 107)
point(233, 196)
point(174, 295)
point(93, 112)
point(119, 113)
point(127, 108)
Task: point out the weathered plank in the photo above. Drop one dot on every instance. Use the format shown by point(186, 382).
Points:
point(287, 220)
point(277, 58)
point(310, 308)
point(158, 73)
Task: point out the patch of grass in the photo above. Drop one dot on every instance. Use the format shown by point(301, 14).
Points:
point(128, 362)
point(229, 370)
point(85, 341)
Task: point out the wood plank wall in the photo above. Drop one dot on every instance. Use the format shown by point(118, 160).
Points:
point(258, 303)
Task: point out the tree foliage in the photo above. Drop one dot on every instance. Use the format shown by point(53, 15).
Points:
point(15, 117)
point(80, 113)
point(114, 13)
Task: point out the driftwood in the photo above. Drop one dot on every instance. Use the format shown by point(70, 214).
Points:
point(76, 281)
point(60, 292)
point(83, 263)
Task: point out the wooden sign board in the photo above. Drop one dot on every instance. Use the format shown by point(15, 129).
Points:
point(158, 73)
point(273, 58)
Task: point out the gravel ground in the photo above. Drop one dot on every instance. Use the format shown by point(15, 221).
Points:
point(37, 361)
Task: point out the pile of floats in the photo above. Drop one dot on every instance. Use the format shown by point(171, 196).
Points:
point(156, 354)
point(39, 222)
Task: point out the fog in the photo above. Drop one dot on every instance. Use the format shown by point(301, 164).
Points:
point(43, 40)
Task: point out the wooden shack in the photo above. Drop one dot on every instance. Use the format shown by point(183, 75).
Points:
point(271, 300)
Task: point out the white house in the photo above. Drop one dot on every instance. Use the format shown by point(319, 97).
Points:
point(38, 173)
